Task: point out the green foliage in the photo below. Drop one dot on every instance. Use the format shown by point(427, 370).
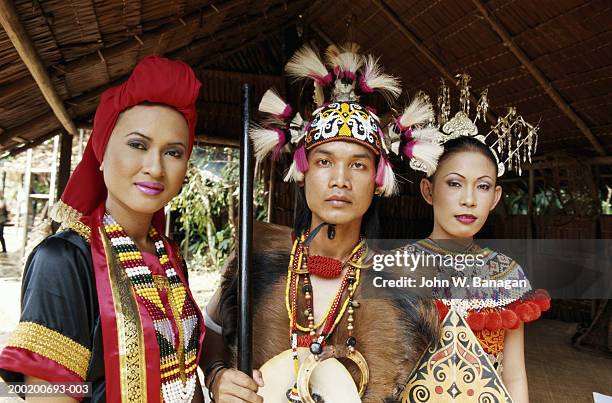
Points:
point(606, 205)
point(206, 203)
point(549, 201)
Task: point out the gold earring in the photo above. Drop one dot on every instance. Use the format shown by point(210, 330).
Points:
point(378, 191)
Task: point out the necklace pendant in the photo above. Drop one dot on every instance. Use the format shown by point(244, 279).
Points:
point(316, 348)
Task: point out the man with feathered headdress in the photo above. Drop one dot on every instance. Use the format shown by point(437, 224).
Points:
point(321, 333)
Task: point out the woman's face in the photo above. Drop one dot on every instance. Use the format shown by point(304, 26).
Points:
point(339, 183)
point(146, 158)
point(462, 194)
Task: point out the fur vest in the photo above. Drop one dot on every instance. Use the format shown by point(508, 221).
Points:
point(393, 327)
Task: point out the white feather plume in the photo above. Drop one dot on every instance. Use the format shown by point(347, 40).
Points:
point(306, 63)
point(375, 79)
point(427, 154)
point(345, 58)
point(418, 112)
point(272, 103)
point(264, 141)
point(430, 134)
point(389, 186)
point(294, 175)
point(426, 150)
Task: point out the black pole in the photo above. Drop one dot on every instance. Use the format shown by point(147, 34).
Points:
point(245, 238)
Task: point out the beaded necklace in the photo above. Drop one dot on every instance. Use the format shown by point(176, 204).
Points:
point(298, 268)
point(177, 354)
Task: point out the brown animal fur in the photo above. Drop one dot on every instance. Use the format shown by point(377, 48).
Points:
point(391, 336)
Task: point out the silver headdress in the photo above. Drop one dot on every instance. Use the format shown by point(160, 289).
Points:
point(513, 140)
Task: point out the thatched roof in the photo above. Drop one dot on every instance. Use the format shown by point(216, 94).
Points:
point(552, 59)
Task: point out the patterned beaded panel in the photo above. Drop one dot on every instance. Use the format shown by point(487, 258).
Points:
point(178, 352)
point(457, 369)
point(347, 120)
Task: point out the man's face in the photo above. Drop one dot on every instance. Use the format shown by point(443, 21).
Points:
point(339, 183)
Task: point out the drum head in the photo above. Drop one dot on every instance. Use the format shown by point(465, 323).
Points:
point(330, 379)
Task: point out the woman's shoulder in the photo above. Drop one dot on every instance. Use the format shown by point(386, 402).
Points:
point(502, 265)
point(62, 241)
point(64, 252)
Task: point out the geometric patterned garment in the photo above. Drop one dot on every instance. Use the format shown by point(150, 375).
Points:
point(455, 370)
point(483, 300)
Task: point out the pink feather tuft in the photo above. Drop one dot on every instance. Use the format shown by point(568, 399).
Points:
point(300, 159)
point(407, 134)
point(286, 112)
point(325, 80)
point(380, 172)
point(385, 178)
point(363, 85)
point(281, 143)
point(408, 149)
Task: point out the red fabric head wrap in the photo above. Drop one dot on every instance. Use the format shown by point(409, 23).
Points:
point(154, 79)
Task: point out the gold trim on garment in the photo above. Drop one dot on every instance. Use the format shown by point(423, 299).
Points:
point(130, 336)
point(52, 345)
point(83, 230)
point(64, 214)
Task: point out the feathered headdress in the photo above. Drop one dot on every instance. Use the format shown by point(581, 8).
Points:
point(344, 75)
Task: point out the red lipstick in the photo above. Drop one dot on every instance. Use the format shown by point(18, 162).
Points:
point(465, 218)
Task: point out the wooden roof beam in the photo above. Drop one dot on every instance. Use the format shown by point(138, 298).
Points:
point(539, 77)
point(607, 160)
point(418, 44)
point(27, 51)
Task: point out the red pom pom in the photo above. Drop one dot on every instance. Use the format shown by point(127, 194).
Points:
point(442, 309)
point(542, 302)
point(542, 292)
point(535, 310)
point(523, 311)
point(476, 320)
point(493, 321)
point(509, 319)
point(528, 311)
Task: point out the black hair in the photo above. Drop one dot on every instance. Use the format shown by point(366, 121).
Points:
point(466, 143)
point(370, 227)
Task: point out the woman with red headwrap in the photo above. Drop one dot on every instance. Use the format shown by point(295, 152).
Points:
point(106, 300)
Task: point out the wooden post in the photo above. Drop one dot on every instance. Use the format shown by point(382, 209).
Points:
point(530, 204)
point(63, 172)
point(81, 133)
point(65, 161)
point(53, 173)
point(271, 189)
point(27, 51)
point(25, 205)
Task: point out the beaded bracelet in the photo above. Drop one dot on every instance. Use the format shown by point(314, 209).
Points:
point(214, 369)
